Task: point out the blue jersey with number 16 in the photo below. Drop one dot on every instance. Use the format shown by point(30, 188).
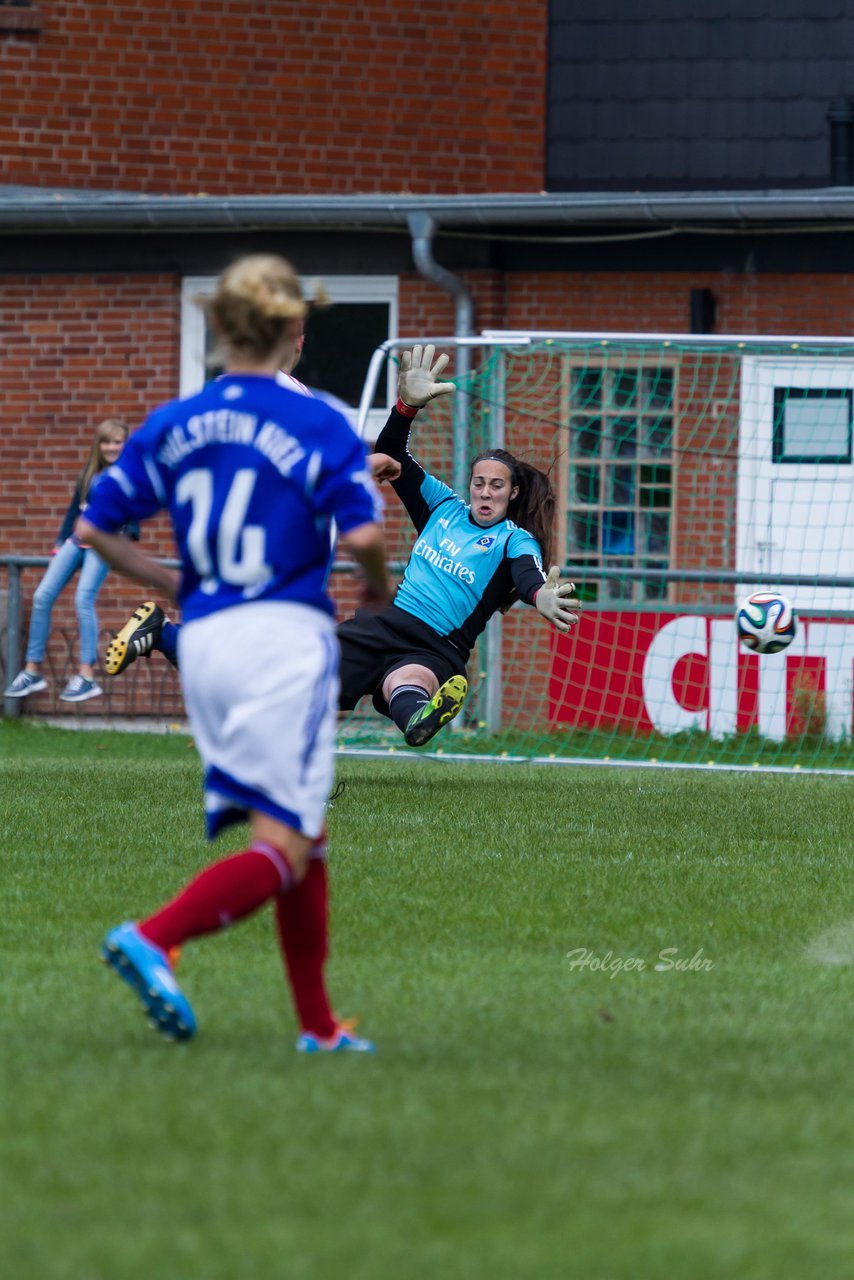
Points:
point(252, 476)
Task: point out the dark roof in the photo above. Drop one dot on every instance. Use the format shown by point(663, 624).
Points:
point(715, 95)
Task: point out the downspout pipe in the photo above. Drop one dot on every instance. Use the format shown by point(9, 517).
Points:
point(422, 229)
point(840, 117)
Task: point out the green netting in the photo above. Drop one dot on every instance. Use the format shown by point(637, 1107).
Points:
point(688, 474)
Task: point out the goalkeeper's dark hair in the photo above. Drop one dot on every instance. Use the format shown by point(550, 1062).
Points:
point(533, 508)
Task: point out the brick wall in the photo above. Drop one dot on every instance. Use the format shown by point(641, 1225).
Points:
point(229, 97)
point(75, 349)
point(648, 302)
point(704, 518)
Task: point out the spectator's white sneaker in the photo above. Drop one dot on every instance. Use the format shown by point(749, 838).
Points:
point(79, 689)
point(24, 684)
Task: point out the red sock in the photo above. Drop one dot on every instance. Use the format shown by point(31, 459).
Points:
point(224, 892)
point(302, 921)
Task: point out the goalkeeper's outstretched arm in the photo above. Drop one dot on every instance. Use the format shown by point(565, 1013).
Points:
point(417, 385)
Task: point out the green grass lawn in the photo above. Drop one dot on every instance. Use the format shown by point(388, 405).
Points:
point(524, 1117)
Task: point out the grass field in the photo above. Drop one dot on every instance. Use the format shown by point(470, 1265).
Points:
point(526, 1115)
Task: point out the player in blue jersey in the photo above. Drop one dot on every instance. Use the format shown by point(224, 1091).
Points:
point(469, 560)
point(252, 476)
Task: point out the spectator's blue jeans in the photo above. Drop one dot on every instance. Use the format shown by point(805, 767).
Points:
point(68, 559)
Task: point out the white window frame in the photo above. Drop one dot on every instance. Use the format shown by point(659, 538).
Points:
point(339, 288)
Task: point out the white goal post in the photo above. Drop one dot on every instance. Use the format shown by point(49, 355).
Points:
point(689, 470)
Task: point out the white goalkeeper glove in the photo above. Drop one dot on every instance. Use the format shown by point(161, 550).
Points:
point(416, 382)
point(556, 602)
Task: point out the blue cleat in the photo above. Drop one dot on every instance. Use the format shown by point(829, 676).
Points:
point(146, 968)
point(343, 1041)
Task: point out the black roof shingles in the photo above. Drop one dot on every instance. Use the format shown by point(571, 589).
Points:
point(731, 95)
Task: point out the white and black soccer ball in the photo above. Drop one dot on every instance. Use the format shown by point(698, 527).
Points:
point(766, 622)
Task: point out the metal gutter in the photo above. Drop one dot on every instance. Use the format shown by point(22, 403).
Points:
point(28, 209)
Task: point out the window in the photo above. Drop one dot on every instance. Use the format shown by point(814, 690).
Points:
point(812, 425)
point(20, 17)
point(339, 341)
point(620, 490)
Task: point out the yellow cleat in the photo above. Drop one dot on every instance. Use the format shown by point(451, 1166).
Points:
point(136, 639)
point(446, 702)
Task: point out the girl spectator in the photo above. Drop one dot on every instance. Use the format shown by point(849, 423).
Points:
point(69, 555)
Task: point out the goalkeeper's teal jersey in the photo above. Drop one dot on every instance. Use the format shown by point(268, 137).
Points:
point(459, 573)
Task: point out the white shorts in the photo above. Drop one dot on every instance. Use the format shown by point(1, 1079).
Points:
point(260, 686)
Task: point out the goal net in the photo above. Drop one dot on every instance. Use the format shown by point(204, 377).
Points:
point(689, 473)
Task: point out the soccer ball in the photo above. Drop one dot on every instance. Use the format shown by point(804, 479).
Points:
point(766, 622)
